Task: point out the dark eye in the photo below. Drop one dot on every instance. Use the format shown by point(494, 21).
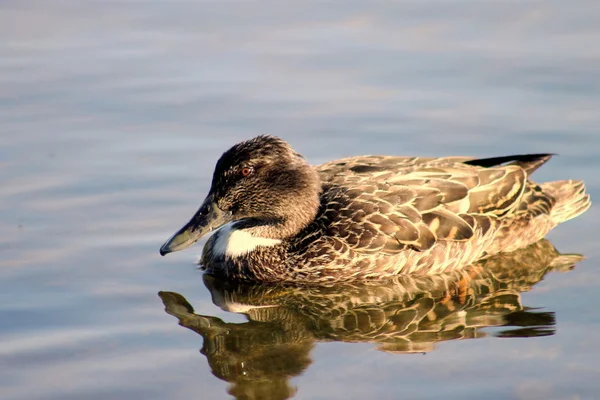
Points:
point(246, 171)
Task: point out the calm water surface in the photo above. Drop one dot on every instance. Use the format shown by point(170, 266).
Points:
point(112, 115)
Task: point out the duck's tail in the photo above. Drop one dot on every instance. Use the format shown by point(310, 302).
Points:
point(571, 199)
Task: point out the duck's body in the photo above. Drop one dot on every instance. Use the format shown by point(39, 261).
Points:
point(370, 217)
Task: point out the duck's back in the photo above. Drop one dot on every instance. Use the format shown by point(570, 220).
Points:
point(384, 216)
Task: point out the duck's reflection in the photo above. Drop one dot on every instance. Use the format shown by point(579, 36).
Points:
point(406, 315)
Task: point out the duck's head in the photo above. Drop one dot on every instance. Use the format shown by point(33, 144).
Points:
point(261, 186)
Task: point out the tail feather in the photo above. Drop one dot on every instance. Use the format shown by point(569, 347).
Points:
point(571, 199)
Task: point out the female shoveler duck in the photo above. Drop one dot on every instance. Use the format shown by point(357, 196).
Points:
point(370, 217)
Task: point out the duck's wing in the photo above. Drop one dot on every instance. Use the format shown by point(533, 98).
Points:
point(378, 167)
point(424, 202)
point(370, 166)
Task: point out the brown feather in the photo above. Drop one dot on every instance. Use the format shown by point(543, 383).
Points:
point(381, 216)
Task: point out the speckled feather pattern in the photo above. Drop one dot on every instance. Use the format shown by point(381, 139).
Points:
point(382, 216)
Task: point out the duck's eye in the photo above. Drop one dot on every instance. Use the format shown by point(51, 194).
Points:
point(246, 171)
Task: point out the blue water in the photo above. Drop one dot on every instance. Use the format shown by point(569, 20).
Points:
point(112, 115)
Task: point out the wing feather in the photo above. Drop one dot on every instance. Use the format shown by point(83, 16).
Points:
point(390, 204)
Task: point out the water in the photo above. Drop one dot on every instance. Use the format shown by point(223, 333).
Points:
point(113, 114)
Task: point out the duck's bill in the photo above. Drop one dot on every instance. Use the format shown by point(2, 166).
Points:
point(206, 219)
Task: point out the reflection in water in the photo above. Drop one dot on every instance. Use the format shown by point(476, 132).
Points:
point(406, 315)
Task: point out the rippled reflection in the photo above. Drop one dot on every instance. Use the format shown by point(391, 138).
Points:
point(406, 315)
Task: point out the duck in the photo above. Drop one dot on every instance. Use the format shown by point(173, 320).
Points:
point(275, 218)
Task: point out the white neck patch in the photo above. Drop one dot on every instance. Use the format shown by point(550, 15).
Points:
point(234, 243)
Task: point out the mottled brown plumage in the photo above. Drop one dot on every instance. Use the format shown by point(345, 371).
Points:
point(374, 217)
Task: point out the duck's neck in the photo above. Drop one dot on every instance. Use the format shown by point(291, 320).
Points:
point(232, 240)
point(242, 237)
